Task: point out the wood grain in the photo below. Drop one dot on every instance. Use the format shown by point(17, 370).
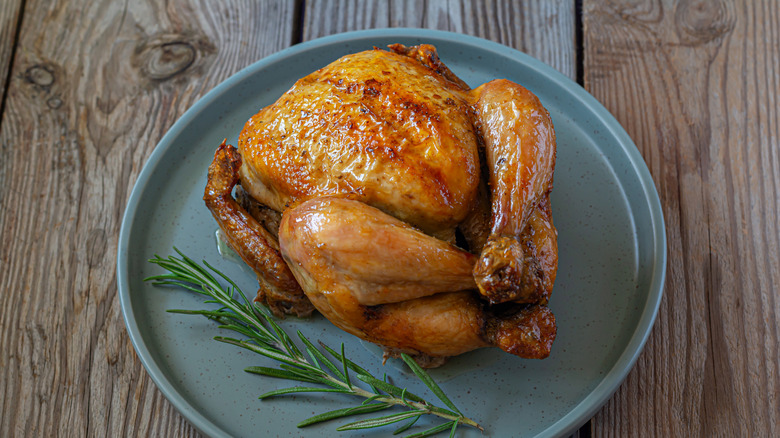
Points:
point(543, 29)
point(88, 100)
point(9, 19)
point(93, 86)
point(695, 84)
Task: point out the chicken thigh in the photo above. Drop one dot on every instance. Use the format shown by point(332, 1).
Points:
point(381, 280)
point(374, 164)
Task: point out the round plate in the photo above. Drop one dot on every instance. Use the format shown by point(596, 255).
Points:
point(612, 262)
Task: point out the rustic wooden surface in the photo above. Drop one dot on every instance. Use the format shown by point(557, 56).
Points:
point(93, 85)
point(695, 84)
point(9, 17)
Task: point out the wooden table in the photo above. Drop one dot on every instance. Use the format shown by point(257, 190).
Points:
point(90, 86)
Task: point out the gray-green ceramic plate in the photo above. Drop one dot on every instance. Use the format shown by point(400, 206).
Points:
point(610, 278)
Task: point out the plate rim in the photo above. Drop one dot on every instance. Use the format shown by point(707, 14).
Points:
point(612, 379)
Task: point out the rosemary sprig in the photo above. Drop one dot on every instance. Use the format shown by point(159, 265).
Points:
point(264, 336)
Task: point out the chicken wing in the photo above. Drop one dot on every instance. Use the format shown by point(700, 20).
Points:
point(247, 237)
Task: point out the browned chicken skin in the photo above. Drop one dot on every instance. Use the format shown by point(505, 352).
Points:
point(340, 251)
point(256, 245)
point(520, 154)
point(349, 129)
point(374, 163)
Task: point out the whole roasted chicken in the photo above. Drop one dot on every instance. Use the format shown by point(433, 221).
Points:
point(409, 209)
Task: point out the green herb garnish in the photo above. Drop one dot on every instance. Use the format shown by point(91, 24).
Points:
point(265, 337)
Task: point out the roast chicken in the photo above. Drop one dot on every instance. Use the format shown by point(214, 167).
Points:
point(407, 208)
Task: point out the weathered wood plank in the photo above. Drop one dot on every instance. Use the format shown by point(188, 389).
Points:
point(9, 18)
point(88, 100)
point(543, 29)
point(696, 86)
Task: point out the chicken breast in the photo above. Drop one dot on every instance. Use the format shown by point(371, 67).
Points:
point(375, 126)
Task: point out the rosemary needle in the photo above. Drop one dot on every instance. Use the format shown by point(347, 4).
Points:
point(262, 335)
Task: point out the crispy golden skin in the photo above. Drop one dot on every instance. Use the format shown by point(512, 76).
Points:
point(349, 129)
point(520, 156)
point(373, 162)
point(256, 246)
point(340, 251)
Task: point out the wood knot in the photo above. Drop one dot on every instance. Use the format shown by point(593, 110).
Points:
point(164, 57)
point(40, 75)
point(166, 60)
point(701, 21)
point(54, 102)
point(43, 82)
